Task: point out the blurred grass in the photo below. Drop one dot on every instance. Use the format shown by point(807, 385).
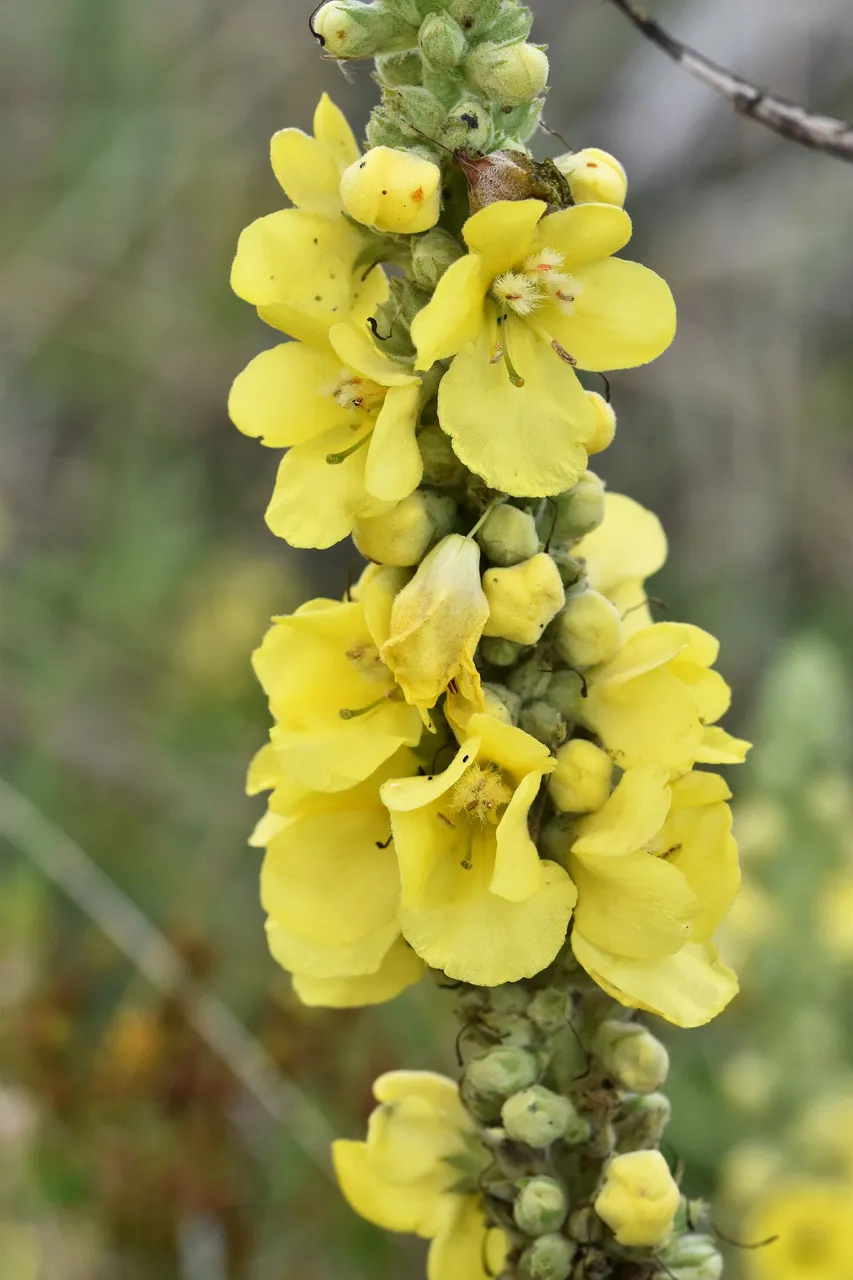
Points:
point(138, 574)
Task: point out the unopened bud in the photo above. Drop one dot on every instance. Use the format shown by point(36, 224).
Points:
point(508, 535)
point(565, 692)
point(604, 428)
point(594, 176)
point(531, 678)
point(523, 599)
point(693, 1257)
point(432, 254)
point(397, 69)
point(501, 702)
point(638, 1199)
point(630, 1053)
point(403, 535)
point(543, 722)
point(541, 1206)
point(550, 1009)
point(508, 74)
point(511, 997)
point(585, 1225)
point(557, 837)
point(474, 16)
point(352, 29)
point(539, 1117)
point(442, 41)
point(392, 190)
point(581, 781)
point(588, 631)
point(571, 570)
point(468, 125)
point(417, 108)
point(579, 510)
point(642, 1120)
point(501, 653)
point(502, 1072)
point(442, 468)
point(548, 1258)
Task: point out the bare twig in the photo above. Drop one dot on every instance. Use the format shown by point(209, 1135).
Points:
point(792, 121)
point(68, 866)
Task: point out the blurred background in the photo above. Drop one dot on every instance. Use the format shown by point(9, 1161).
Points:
point(165, 1105)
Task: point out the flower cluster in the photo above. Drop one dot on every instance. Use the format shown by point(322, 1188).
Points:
point(486, 759)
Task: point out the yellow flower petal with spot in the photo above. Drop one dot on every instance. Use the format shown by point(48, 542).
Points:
point(400, 969)
point(392, 190)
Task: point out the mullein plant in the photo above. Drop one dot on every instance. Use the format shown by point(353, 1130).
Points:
point(486, 759)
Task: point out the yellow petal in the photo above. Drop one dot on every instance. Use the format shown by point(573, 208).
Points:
point(645, 651)
point(392, 190)
point(700, 646)
point(265, 829)
point(514, 750)
point(403, 795)
point(394, 464)
point(463, 1250)
point(409, 1142)
point(702, 848)
point(518, 870)
point(297, 269)
point(635, 810)
point(719, 747)
point(454, 314)
point(438, 1091)
point(355, 348)
point(650, 720)
point(688, 988)
point(629, 546)
point(264, 771)
point(283, 397)
point(377, 589)
point(525, 440)
point(315, 502)
point(585, 233)
point(501, 234)
point(713, 696)
point(424, 839)
point(368, 293)
point(698, 788)
point(332, 130)
point(400, 969)
point(385, 1203)
point(624, 316)
point(332, 878)
point(636, 905)
point(306, 171)
point(310, 960)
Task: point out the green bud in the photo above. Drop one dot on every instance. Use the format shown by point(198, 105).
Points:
point(512, 23)
point(588, 629)
point(585, 1226)
point(442, 41)
point(539, 1117)
point(557, 837)
point(579, 510)
point(442, 468)
point(632, 1055)
point(468, 125)
point(693, 1257)
point(541, 1206)
point(548, 1258)
point(474, 16)
point(543, 722)
point(511, 997)
point(412, 299)
point(508, 706)
point(396, 69)
point(403, 535)
point(550, 1009)
point(352, 29)
point(571, 570)
point(508, 74)
point(602, 1144)
point(530, 679)
point(432, 254)
point(502, 1072)
point(513, 1029)
point(500, 652)
point(508, 535)
point(413, 105)
point(565, 692)
point(641, 1121)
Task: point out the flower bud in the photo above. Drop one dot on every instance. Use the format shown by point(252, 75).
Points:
point(543, 722)
point(402, 536)
point(541, 1206)
point(588, 631)
point(523, 599)
point(508, 535)
point(539, 1117)
point(392, 190)
point(508, 74)
point(442, 41)
point(432, 254)
point(502, 1072)
point(415, 107)
point(474, 15)
point(581, 781)
point(571, 570)
point(468, 125)
point(550, 1009)
point(442, 468)
point(531, 678)
point(501, 702)
point(565, 692)
point(548, 1258)
point(604, 428)
point(638, 1199)
point(693, 1257)
point(594, 176)
point(352, 29)
point(501, 653)
point(396, 69)
point(642, 1120)
point(557, 837)
point(579, 510)
point(630, 1053)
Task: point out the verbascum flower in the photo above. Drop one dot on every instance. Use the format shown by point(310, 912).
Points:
point(330, 887)
point(339, 713)
point(656, 871)
point(403, 1177)
point(807, 1226)
point(298, 266)
point(435, 625)
point(347, 415)
point(394, 191)
point(536, 297)
point(639, 1199)
point(477, 901)
point(594, 176)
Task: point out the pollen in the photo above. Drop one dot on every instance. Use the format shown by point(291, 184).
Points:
point(481, 794)
point(544, 261)
point(355, 392)
point(518, 292)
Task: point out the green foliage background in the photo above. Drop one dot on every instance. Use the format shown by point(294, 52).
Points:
point(138, 574)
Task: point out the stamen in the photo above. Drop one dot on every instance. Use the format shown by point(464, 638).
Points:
point(563, 353)
point(334, 459)
point(546, 260)
point(519, 292)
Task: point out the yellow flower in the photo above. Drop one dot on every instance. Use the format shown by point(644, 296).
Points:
point(339, 712)
point(298, 266)
point(534, 297)
point(656, 870)
point(594, 176)
point(628, 547)
point(477, 901)
point(347, 415)
point(809, 1222)
point(523, 599)
point(639, 1199)
point(401, 1178)
point(395, 191)
point(436, 623)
